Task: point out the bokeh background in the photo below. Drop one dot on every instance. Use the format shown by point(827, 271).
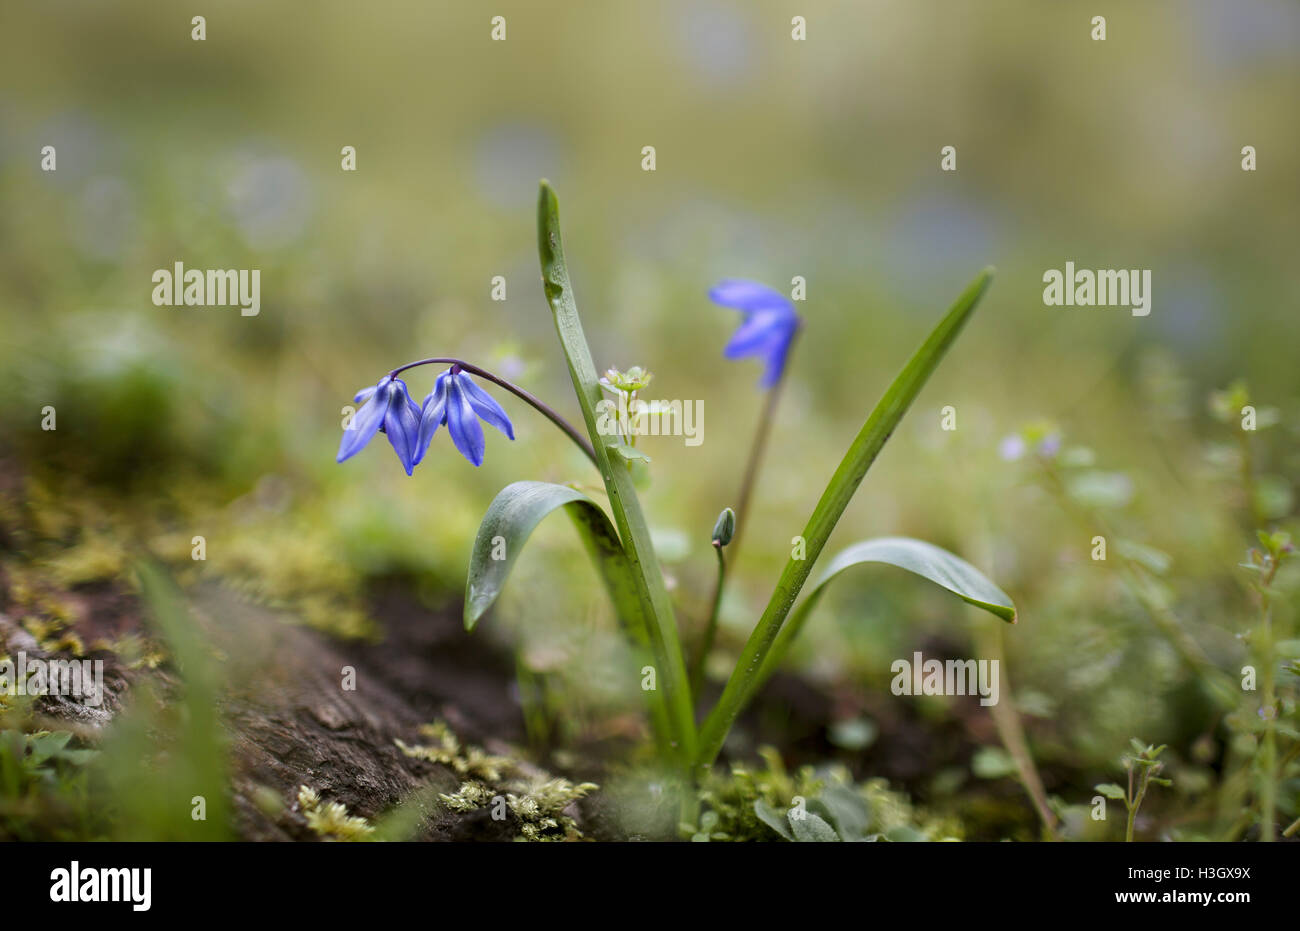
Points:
point(775, 158)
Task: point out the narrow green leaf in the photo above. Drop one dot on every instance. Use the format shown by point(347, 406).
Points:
point(852, 469)
point(1110, 790)
point(623, 501)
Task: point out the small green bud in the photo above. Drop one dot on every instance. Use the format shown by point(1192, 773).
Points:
point(725, 528)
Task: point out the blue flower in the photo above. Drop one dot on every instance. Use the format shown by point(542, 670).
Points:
point(391, 410)
point(767, 329)
point(459, 403)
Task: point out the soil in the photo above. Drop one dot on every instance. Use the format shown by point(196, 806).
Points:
point(292, 723)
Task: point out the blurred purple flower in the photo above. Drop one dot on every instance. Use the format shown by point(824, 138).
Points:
point(1011, 448)
point(1050, 445)
point(768, 327)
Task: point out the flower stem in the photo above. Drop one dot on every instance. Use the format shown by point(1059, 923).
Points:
point(756, 452)
point(1268, 704)
point(537, 403)
point(711, 628)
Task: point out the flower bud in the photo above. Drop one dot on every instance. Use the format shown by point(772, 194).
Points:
point(725, 528)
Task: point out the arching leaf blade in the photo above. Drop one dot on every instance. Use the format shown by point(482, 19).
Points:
point(916, 556)
point(930, 562)
point(510, 520)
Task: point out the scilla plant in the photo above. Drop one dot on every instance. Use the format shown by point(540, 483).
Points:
point(620, 542)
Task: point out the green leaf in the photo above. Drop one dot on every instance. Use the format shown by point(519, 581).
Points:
point(879, 426)
point(510, 519)
point(774, 819)
point(43, 746)
point(846, 810)
point(1148, 557)
point(623, 502)
point(812, 829)
point(916, 556)
point(904, 834)
point(992, 763)
point(930, 562)
point(1110, 790)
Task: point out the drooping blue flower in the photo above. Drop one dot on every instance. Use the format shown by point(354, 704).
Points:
point(769, 325)
point(459, 403)
point(389, 409)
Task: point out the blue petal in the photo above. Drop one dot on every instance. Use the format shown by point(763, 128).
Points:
point(463, 425)
point(748, 295)
point(775, 363)
point(760, 333)
point(486, 406)
point(432, 416)
point(365, 422)
point(402, 424)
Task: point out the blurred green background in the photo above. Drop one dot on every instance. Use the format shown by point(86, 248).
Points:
point(775, 158)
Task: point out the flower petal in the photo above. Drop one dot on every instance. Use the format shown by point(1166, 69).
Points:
point(402, 424)
point(462, 424)
point(759, 333)
point(364, 423)
point(748, 295)
point(486, 406)
point(432, 415)
point(775, 363)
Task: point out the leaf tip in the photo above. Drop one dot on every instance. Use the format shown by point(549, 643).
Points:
point(474, 608)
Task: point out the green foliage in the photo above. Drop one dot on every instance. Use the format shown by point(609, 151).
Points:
point(44, 785)
point(811, 804)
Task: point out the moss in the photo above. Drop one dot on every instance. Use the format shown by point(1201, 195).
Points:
point(70, 535)
point(471, 761)
point(331, 820)
point(536, 800)
point(298, 569)
point(95, 559)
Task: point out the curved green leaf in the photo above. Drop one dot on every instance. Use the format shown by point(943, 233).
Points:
point(512, 515)
point(924, 559)
point(928, 561)
point(509, 521)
